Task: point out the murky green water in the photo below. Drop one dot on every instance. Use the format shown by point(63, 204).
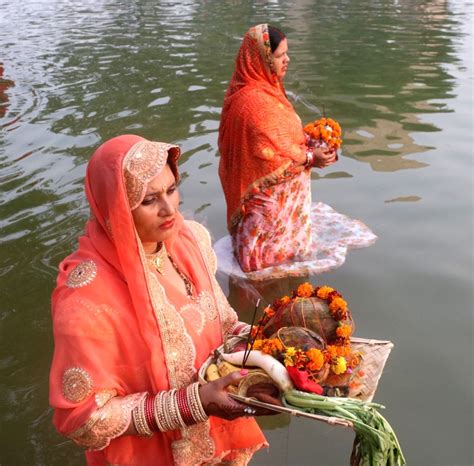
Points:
point(397, 74)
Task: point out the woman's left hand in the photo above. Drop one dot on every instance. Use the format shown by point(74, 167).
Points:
point(216, 400)
point(324, 157)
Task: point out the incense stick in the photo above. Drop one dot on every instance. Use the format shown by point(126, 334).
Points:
point(249, 345)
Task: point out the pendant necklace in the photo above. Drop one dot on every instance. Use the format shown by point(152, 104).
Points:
point(157, 259)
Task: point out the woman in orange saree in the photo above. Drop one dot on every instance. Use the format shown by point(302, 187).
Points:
point(265, 167)
point(136, 311)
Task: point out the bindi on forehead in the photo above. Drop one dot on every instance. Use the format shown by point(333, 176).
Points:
point(161, 182)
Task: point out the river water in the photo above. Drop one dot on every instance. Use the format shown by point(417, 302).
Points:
point(397, 74)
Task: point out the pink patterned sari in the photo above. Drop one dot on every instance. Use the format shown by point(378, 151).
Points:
point(276, 226)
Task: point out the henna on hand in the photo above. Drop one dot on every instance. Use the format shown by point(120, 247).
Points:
point(226, 411)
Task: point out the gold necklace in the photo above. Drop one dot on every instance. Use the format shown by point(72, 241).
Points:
point(157, 259)
point(187, 282)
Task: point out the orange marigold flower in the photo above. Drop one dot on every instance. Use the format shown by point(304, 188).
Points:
point(332, 351)
point(344, 350)
point(271, 346)
point(338, 304)
point(344, 331)
point(285, 300)
point(324, 291)
point(305, 290)
point(316, 359)
point(257, 344)
point(278, 345)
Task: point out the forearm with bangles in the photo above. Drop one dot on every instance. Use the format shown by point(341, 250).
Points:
point(309, 158)
point(239, 328)
point(168, 410)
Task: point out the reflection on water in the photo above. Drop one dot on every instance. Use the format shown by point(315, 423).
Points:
point(405, 199)
point(384, 146)
point(393, 72)
point(5, 84)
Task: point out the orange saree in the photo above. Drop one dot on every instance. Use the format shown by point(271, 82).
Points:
point(122, 330)
point(260, 134)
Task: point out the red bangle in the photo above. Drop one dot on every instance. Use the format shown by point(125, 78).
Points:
point(184, 408)
point(149, 414)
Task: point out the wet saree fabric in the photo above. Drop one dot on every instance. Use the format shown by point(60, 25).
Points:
point(332, 236)
point(121, 330)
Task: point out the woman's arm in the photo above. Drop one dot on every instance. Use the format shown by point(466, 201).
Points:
point(144, 414)
point(317, 158)
point(320, 158)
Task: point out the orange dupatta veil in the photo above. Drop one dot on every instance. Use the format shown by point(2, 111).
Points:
point(117, 329)
point(260, 134)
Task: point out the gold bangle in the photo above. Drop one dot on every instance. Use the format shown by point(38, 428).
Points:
point(167, 411)
point(175, 410)
point(158, 412)
point(194, 400)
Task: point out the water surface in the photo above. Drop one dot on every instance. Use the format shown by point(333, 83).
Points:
point(397, 74)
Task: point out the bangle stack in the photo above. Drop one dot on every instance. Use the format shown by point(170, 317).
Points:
point(239, 328)
point(169, 410)
point(140, 419)
point(309, 159)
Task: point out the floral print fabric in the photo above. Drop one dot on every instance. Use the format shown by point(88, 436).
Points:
point(332, 235)
point(276, 226)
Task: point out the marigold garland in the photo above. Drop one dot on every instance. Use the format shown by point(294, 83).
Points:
point(311, 360)
point(326, 130)
point(338, 354)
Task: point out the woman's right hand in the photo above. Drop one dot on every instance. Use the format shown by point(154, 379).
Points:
point(216, 401)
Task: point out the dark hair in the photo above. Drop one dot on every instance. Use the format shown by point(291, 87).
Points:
point(276, 36)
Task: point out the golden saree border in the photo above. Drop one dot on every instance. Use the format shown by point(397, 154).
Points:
point(228, 316)
point(196, 444)
point(106, 423)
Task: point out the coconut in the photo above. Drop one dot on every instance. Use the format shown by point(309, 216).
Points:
point(311, 313)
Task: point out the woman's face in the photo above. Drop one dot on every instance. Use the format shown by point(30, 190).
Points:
point(281, 58)
point(155, 218)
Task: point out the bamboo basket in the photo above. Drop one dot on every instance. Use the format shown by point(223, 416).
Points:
point(364, 384)
point(374, 356)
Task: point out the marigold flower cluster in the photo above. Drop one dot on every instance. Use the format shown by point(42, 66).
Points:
point(344, 331)
point(311, 360)
point(338, 355)
point(333, 352)
point(305, 290)
point(271, 346)
point(326, 130)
